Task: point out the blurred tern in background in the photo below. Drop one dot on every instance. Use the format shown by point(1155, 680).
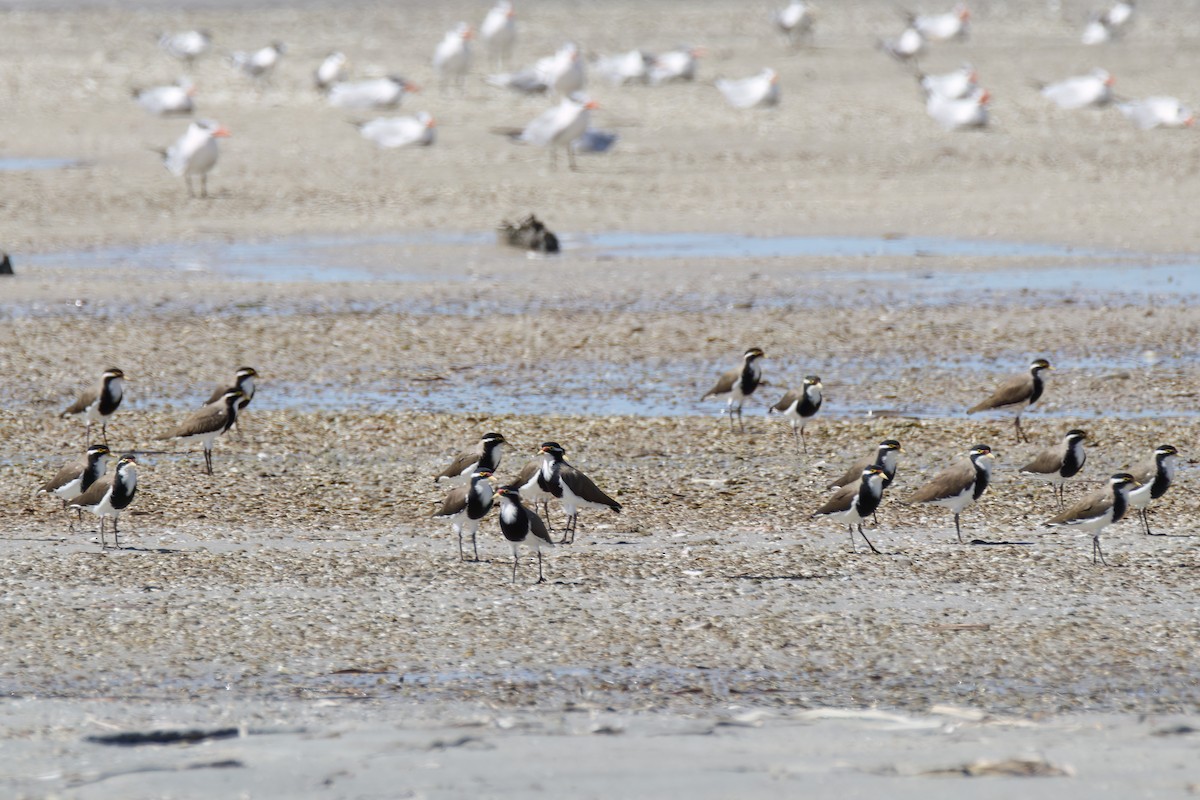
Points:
point(499, 32)
point(260, 63)
point(419, 130)
point(963, 113)
point(452, 58)
point(905, 47)
point(631, 67)
point(562, 73)
point(759, 90)
point(1157, 112)
point(796, 21)
point(675, 65)
point(187, 46)
point(1080, 91)
point(167, 100)
point(952, 85)
point(334, 69)
point(385, 92)
point(942, 27)
point(556, 127)
point(195, 153)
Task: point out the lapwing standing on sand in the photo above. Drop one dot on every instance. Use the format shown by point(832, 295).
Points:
point(483, 456)
point(799, 405)
point(855, 502)
point(1057, 464)
point(554, 477)
point(886, 457)
point(108, 497)
point(521, 525)
point(1097, 511)
point(100, 402)
point(1155, 478)
point(1019, 392)
point(76, 477)
point(959, 485)
point(206, 424)
point(244, 379)
point(739, 383)
point(466, 506)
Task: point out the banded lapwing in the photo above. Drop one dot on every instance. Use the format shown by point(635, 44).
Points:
point(855, 502)
point(886, 457)
point(1097, 511)
point(521, 525)
point(1155, 478)
point(799, 405)
point(483, 456)
point(207, 423)
point(108, 497)
point(76, 477)
point(1018, 392)
point(739, 383)
point(556, 478)
point(466, 506)
point(245, 380)
point(1057, 464)
point(959, 485)
point(100, 402)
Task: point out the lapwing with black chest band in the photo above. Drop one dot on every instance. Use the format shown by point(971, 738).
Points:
point(855, 502)
point(1155, 478)
point(108, 497)
point(558, 479)
point(76, 477)
point(484, 456)
point(1057, 464)
point(1018, 392)
point(245, 380)
point(466, 506)
point(799, 405)
point(959, 485)
point(100, 402)
point(521, 526)
point(206, 424)
point(1097, 511)
point(739, 383)
point(886, 457)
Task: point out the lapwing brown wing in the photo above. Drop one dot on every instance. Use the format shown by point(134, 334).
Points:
point(76, 477)
point(1059, 463)
point(108, 497)
point(959, 485)
point(521, 526)
point(739, 383)
point(466, 506)
point(800, 405)
point(207, 423)
point(855, 502)
point(1155, 478)
point(483, 456)
point(1097, 511)
point(99, 403)
point(1018, 392)
point(245, 379)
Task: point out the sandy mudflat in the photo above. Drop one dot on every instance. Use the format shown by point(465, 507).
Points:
point(712, 638)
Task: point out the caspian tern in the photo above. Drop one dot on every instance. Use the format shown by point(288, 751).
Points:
point(385, 92)
point(332, 70)
point(166, 100)
point(966, 112)
point(1095, 31)
point(1118, 16)
point(260, 63)
point(195, 153)
point(631, 67)
point(1080, 91)
point(562, 73)
point(452, 58)
point(796, 21)
point(952, 85)
point(499, 31)
point(420, 130)
point(675, 65)
point(758, 90)
point(952, 24)
point(557, 127)
point(187, 46)
point(905, 47)
point(1158, 112)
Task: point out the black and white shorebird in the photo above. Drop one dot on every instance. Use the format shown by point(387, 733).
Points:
point(552, 477)
point(799, 405)
point(483, 456)
point(739, 383)
point(244, 380)
point(1057, 464)
point(1155, 478)
point(76, 477)
point(959, 485)
point(207, 423)
point(521, 525)
point(100, 402)
point(855, 502)
point(886, 457)
point(466, 506)
point(1097, 511)
point(1019, 392)
point(108, 497)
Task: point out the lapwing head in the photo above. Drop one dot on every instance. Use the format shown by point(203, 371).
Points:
point(753, 353)
point(481, 474)
point(891, 444)
point(1164, 450)
point(112, 372)
point(553, 448)
point(246, 372)
point(511, 492)
point(1122, 480)
point(125, 460)
point(493, 439)
point(980, 451)
point(97, 450)
point(1075, 435)
point(812, 380)
point(232, 396)
point(1039, 365)
point(873, 475)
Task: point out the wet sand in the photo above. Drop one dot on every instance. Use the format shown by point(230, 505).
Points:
point(301, 594)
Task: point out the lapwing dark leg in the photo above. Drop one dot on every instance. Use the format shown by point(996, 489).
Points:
point(1021, 437)
point(208, 461)
point(103, 543)
point(865, 539)
point(853, 544)
point(803, 440)
point(474, 544)
point(462, 555)
point(116, 536)
point(1097, 551)
point(541, 578)
point(514, 578)
point(958, 529)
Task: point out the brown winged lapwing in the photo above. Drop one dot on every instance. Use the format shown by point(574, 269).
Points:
point(554, 477)
point(466, 506)
point(244, 379)
point(855, 502)
point(521, 525)
point(1097, 511)
point(799, 405)
point(1155, 478)
point(1018, 392)
point(1057, 464)
point(483, 456)
point(959, 485)
point(739, 383)
point(100, 402)
point(108, 497)
point(76, 477)
point(206, 424)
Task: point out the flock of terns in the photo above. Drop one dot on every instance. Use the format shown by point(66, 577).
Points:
point(856, 495)
point(955, 100)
